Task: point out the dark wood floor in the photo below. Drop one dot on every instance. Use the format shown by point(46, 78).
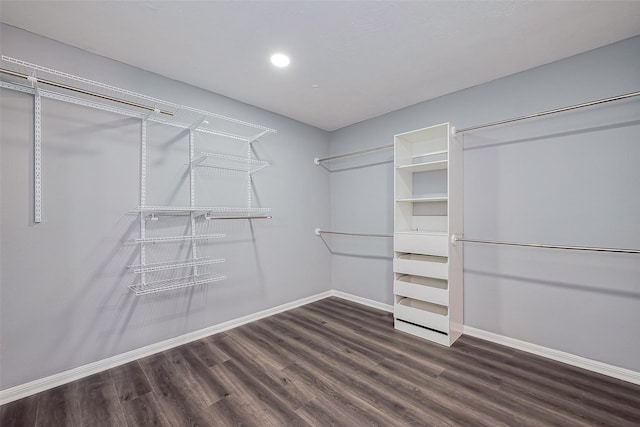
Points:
point(329, 363)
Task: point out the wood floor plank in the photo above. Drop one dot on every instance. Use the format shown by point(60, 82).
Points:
point(59, 406)
point(98, 401)
point(274, 380)
point(583, 381)
point(231, 412)
point(181, 403)
point(314, 382)
point(262, 400)
point(333, 363)
point(204, 387)
point(130, 381)
point(147, 410)
point(300, 320)
point(20, 412)
point(391, 379)
point(207, 350)
point(340, 368)
point(422, 364)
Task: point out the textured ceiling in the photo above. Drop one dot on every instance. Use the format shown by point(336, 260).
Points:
point(367, 58)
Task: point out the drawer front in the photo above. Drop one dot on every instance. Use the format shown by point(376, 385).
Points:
point(421, 317)
point(421, 292)
point(438, 270)
point(422, 332)
point(425, 244)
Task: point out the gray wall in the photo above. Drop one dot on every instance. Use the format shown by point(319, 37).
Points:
point(567, 179)
point(64, 295)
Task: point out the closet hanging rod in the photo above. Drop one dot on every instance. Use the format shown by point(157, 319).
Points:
point(342, 233)
point(83, 91)
point(240, 217)
point(355, 153)
point(554, 111)
point(455, 239)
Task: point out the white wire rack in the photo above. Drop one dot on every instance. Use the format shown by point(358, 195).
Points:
point(222, 161)
point(173, 283)
point(184, 210)
point(166, 112)
point(171, 239)
point(46, 82)
point(149, 268)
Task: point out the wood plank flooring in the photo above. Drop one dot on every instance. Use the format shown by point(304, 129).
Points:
point(333, 363)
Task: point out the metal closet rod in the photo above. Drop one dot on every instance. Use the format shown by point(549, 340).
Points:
point(83, 91)
point(240, 217)
point(384, 147)
point(546, 113)
point(342, 233)
point(536, 245)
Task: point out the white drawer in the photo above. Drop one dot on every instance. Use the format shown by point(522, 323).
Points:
point(422, 313)
point(440, 338)
point(422, 265)
point(423, 289)
point(422, 243)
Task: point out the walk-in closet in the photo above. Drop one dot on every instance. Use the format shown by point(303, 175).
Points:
point(319, 213)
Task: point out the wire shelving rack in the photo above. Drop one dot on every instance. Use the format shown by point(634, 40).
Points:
point(45, 82)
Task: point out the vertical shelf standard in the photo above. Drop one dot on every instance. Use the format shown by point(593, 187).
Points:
point(428, 180)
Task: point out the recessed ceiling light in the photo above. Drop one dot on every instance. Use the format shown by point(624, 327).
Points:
point(280, 60)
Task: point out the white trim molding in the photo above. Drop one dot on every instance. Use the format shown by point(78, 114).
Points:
point(37, 386)
point(557, 355)
point(363, 301)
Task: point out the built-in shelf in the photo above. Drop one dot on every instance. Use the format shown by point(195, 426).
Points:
point(222, 161)
point(427, 268)
point(174, 283)
point(194, 262)
point(170, 239)
point(429, 154)
point(425, 166)
point(424, 232)
point(424, 199)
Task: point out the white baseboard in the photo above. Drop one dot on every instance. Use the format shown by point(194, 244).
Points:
point(560, 356)
point(363, 301)
point(37, 386)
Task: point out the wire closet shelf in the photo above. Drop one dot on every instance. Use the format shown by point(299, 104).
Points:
point(45, 82)
point(28, 77)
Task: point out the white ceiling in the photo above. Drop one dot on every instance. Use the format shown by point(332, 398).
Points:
point(368, 58)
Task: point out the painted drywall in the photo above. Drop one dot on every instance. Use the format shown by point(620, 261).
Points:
point(64, 296)
point(568, 179)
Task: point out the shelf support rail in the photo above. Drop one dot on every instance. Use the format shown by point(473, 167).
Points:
point(342, 233)
point(455, 239)
point(548, 112)
point(317, 161)
point(37, 151)
point(192, 195)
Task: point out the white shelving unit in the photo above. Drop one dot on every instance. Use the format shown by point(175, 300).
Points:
point(196, 214)
point(427, 267)
point(44, 82)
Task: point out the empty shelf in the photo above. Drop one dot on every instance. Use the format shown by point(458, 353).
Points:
point(170, 284)
point(426, 166)
point(429, 153)
point(222, 161)
point(424, 199)
point(175, 265)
